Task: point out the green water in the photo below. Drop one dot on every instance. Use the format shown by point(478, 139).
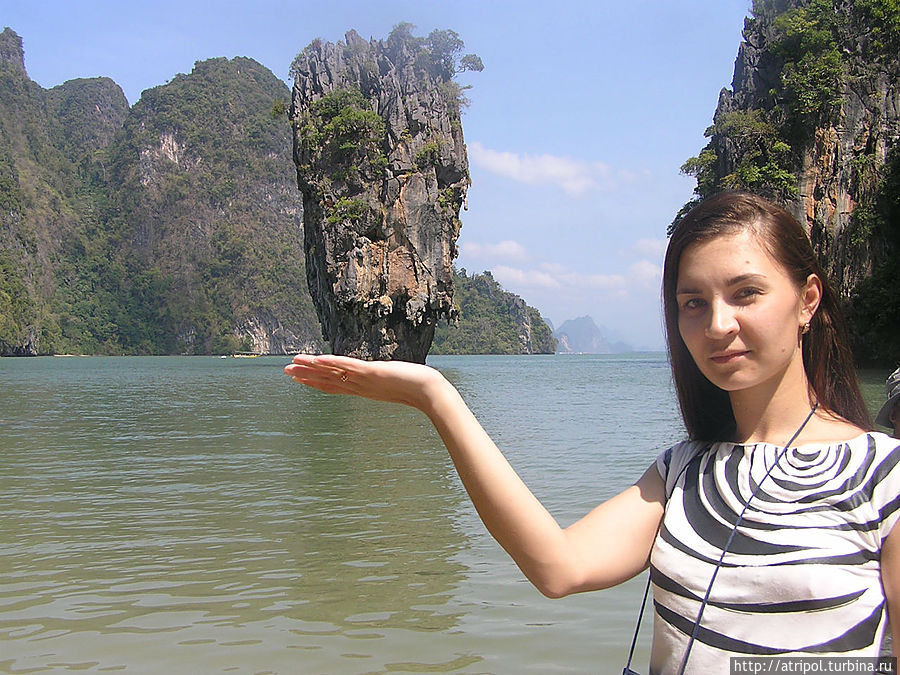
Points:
point(203, 515)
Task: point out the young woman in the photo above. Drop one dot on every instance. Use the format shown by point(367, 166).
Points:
point(781, 503)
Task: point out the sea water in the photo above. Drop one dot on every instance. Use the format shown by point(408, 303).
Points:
point(204, 515)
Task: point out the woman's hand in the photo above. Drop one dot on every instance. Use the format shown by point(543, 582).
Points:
point(393, 381)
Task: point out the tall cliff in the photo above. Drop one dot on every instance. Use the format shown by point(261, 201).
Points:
point(171, 227)
point(382, 166)
point(47, 208)
point(210, 219)
point(812, 119)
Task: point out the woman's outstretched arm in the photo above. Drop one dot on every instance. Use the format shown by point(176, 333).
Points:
point(609, 545)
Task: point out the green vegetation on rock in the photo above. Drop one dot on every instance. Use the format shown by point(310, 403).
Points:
point(344, 119)
point(810, 50)
point(765, 159)
point(811, 110)
point(807, 41)
point(491, 321)
point(439, 55)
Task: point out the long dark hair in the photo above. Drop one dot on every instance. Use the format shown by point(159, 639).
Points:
point(827, 360)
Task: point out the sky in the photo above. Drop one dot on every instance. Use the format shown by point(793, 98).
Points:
point(576, 128)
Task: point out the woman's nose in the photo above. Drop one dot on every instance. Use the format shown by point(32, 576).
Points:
point(722, 320)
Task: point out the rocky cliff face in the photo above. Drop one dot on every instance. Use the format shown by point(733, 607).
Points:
point(825, 79)
point(46, 140)
point(12, 55)
point(203, 170)
point(382, 166)
point(171, 227)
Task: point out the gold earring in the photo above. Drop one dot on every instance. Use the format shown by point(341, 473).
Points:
point(805, 329)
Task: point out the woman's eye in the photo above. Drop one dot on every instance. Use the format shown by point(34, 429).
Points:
point(748, 293)
point(692, 304)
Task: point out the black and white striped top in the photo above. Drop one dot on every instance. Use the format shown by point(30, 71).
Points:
point(802, 575)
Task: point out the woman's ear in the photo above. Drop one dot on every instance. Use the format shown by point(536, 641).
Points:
point(810, 297)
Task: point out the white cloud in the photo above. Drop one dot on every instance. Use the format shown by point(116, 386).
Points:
point(649, 248)
point(606, 282)
point(504, 250)
point(574, 176)
point(553, 268)
point(549, 275)
point(512, 277)
point(629, 176)
point(645, 274)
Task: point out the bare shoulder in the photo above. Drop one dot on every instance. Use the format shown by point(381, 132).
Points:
point(829, 427)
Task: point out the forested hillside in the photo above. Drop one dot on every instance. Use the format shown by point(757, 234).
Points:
point(48, 202)
point(491, 321)
point(207, 218)
point(170, 227)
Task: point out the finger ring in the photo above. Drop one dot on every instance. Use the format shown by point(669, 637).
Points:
point(344, 376)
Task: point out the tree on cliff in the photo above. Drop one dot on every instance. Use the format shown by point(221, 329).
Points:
point(811, 121)
point(439, 53)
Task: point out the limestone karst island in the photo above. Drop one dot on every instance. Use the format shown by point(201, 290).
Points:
point(382, 166)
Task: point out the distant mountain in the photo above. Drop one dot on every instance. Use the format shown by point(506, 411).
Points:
point(583, 336)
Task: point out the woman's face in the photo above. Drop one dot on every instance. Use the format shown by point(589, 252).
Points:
point(739, 313)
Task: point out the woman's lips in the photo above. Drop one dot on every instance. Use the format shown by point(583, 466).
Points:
point(727, 357)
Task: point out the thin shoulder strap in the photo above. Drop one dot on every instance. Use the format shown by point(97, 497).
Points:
point(637, 628)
